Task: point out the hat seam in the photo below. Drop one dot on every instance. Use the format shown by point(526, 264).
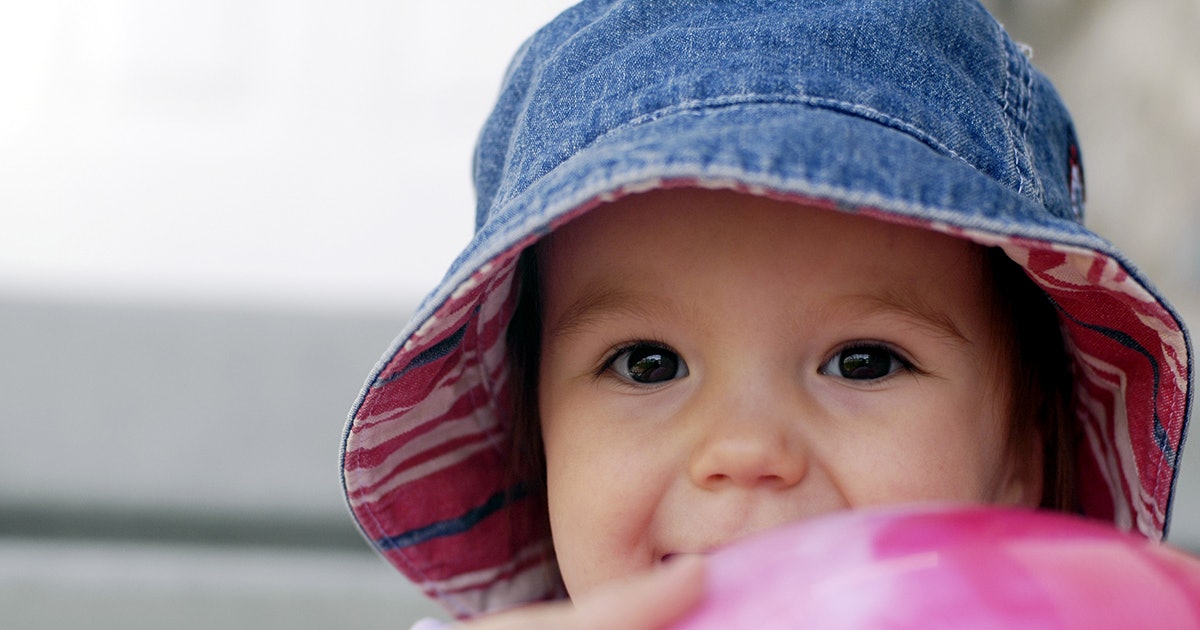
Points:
point(817, 102)
point(1008, 109)
point(1028, 171)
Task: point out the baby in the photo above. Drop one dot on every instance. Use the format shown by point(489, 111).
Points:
point(743, 263)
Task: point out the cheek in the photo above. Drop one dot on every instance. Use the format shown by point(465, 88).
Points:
point(602, 495)
point(936, 446)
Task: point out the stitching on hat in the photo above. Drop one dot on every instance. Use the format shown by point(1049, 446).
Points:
point(818, 102)
point(1026, 120)
point(1008, 119)
point(1018, 106)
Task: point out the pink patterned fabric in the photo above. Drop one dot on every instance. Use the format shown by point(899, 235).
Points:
point(948, 567)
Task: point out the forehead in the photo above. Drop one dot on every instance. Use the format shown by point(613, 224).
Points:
point(702, 257)
point(676, 237)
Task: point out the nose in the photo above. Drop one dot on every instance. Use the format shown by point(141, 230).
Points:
point(758, 446)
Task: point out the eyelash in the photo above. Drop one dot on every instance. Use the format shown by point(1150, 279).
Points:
point(608, 365)
point(900, 362)
point(897, 362)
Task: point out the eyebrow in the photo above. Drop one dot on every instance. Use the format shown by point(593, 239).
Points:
point(909, 305)
point(604, 301)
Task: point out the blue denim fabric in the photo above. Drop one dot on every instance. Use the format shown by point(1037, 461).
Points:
point(923, 108)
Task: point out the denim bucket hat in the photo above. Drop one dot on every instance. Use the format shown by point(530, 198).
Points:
point(918, 112)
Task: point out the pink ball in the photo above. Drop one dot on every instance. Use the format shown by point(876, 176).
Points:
point(949, 567)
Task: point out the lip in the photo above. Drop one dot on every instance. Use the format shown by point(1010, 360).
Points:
point(668, 557)
point(707, 548)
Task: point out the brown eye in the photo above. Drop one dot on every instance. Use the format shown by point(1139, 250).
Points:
point(648, 363)
point(863, 363)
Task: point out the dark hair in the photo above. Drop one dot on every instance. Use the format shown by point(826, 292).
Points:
point(1030, 342)
point(1039, 405)
point(527, 459)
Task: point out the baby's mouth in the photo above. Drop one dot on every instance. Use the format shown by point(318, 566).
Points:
point(704, 548)
point(680, 554)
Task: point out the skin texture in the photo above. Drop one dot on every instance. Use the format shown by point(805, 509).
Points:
point(753, 414)
point(642, 602)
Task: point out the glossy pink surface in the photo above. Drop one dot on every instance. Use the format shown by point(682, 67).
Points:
point(949, 567)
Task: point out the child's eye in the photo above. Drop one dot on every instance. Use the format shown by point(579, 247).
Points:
point(864, 362)
point(647, 363)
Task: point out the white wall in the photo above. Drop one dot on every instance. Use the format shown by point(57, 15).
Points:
point(249, 150)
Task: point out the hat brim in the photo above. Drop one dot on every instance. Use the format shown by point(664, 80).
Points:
point(425, 451)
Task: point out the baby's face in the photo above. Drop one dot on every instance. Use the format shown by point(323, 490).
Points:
point(714, 364)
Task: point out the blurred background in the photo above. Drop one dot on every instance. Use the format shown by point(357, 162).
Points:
point(217, 213)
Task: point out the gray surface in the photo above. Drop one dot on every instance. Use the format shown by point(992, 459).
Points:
point(185, 408)
point(177, 467)
point(69, 585)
